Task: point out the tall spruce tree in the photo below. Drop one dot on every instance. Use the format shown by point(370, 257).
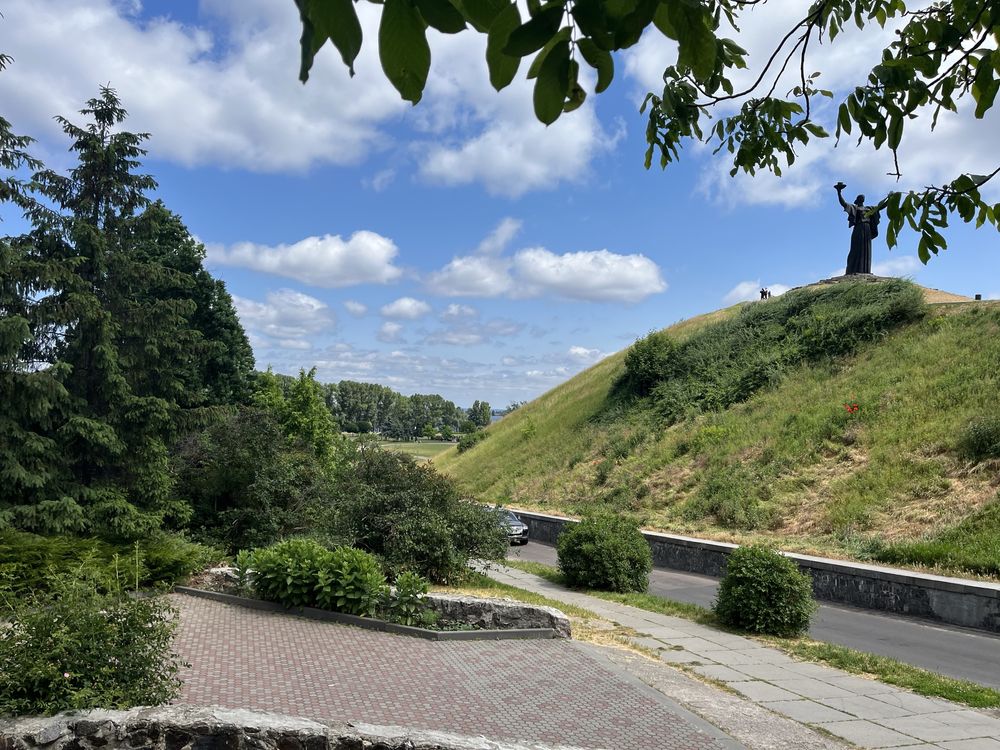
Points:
point(127, 331)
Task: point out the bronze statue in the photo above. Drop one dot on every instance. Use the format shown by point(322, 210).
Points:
point(864, 222)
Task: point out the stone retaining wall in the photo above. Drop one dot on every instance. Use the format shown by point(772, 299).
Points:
point(953, 601)
point(498, 614)
point(190, 728)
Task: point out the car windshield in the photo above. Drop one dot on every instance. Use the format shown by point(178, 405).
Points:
point(509, 517)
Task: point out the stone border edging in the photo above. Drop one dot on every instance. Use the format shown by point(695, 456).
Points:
point(953, 601)
point(369, 623)
point(183, 727)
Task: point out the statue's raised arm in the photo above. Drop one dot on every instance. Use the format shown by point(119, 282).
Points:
point(839, 187)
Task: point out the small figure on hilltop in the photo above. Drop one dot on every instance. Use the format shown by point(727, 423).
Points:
point(763, 293)
point(864, 222)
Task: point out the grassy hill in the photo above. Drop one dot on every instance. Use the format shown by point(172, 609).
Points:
point(750, 432)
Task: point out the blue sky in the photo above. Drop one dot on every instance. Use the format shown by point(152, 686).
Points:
point(458, 247)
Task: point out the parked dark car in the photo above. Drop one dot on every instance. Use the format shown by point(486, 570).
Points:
point(517, 530)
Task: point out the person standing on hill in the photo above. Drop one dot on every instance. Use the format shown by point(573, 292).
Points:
point(864, 223)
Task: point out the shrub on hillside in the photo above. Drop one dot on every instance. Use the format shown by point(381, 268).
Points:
point(412, 517)
point(608, 553)
point(980, 439)
point(289, 572)
point(764, 592)
point(470, 440)
point(726, 363)
point(649, 361)
point(730, 494)
point(76, 647)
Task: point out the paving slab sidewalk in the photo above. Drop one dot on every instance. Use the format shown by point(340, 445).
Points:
point(864, 712)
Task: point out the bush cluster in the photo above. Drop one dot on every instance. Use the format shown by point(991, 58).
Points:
point(75, 646)
point(471, 440)
point(607, 553)
point(726, 363)
point(29, 561)
point(764, 592)
point(304, 573)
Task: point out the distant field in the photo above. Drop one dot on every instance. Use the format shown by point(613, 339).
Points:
point(422, 451)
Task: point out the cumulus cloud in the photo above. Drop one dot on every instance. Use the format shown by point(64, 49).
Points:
point(357, 309)
point(225, 96)
point(327, 261)
point(464, 332)
point(389, 332)
point(405, 308)
point(592, 275)
point(905, 265)
point(598, 275)
point(747, 291)
point(286, 316)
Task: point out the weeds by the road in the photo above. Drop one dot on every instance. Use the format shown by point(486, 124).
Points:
point(881, 668)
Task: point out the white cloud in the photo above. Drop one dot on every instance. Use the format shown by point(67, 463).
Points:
point(597, 276)
point(327, 261)
point(747, 291)
point(389, 332)
point(380, 180)
point(472, 276)
point(498, 240)
point(585, 355)
point(905, 265)
point(457, 312)
point(286, 316)
point(593, 276)
point(406, 308)
point(464, 332)
point(357, 309)
point(226, 97)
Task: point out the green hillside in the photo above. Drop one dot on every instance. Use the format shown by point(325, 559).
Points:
point(748, 430)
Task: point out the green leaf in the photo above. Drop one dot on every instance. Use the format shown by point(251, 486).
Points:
point(661, 19)
point(335, 20)
point(695, 39)
point(503, 67)
point(576, 96)
point(593, 22)
point(895, 131)
point(552, 84)
point(532, 36)
point(441, 15)
point(600, 60)
point(536, 65)
point(403, 49)
point(482, 13)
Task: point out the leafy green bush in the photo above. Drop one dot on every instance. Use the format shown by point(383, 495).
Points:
point(350, 582)
point(406, 605)
point(980, 439)
point(289, 571)
point(649, 361)
point(764, 592)
point(76, 647)
point(411, 517)
point(471, 440)
point(605, 552)
point(726, 363)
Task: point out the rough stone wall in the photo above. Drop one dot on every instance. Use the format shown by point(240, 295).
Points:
point(190, 728)
point(498, 614)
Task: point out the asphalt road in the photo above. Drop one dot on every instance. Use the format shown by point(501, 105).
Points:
point(957, 652)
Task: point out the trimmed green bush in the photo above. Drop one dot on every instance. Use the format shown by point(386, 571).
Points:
point(764, 592)
point(352, 583)
point(606, 553)
point(471, 440)
point(74, 646)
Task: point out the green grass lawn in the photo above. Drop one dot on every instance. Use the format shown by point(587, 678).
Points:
point(791, 465)
point(423, 450)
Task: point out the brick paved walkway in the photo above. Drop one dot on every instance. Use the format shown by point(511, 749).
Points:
point(555, 691)
point(864, 712)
